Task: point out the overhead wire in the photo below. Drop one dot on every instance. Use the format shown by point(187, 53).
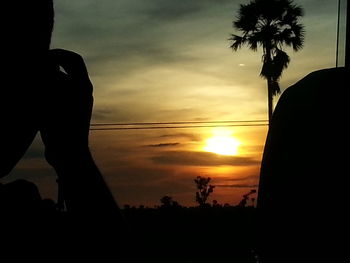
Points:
point(176, 125)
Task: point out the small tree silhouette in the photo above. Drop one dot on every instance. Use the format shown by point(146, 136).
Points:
point(168, 202)
point(204, 190)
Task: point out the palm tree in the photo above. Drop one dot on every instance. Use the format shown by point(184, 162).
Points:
point(270, 24)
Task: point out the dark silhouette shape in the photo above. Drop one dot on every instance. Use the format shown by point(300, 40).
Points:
point(245, 198)
point(270, 24)
point(304, 160)
point(195, 234)
point(20, 197)
point(49, 91)
point(166, 201)
point(38, 96)
point(216, 204)
point(204, 190)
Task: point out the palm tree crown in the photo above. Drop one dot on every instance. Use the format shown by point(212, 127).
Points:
point(270, 24)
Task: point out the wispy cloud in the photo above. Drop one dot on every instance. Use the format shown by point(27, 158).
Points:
point(191, 158)
point(161, 145)
point(242, 178)
point(183, 135)
point(168, 10)
point(238, 185)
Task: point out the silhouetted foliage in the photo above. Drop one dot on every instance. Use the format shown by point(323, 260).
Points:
point(216, 204)
point(168, 202)
point(244, 201)
point(270, 24)
point(194, 226)
point(180, 234)
point(204, 190)
point(23, 197)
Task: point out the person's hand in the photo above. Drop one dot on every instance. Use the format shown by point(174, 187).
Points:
point(67, 111)
point(65, 130)
point(74, 66)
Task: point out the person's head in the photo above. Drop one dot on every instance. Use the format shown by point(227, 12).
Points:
point(41, 21)
point(27, 26)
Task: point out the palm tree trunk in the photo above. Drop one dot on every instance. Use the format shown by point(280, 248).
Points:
point(268, 61)
point(269, 100)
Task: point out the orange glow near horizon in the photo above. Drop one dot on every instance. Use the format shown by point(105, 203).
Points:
point(223, 143)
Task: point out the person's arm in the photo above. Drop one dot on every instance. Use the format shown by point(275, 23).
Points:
point(65, 133)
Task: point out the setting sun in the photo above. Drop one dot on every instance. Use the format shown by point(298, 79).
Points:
point(222, 143)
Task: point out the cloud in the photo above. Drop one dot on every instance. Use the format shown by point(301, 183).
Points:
point(123, 35)
point(169, 10)
point(102, 113)
point(244, 178)
point(126, 31)
point(238, 185)
point(183, 135)
point(191, 158)
point(141, 184)
point(162, 145)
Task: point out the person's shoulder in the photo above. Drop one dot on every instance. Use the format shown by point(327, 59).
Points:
point(317, 80)
point(317, 84)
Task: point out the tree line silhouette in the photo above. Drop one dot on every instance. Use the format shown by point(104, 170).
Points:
point(23, 196)
point(178, 233)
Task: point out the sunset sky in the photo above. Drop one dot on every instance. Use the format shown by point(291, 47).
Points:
point(168, 61)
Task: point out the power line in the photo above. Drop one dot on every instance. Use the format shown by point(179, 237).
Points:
point(174, 123)
point(177, 127)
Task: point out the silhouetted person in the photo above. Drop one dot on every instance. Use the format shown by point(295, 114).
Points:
point(36, 95)
point(49, 91)
point(301, 199)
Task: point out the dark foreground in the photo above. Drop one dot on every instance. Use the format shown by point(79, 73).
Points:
point(36, 229)
point(224, 234)
point(210, 234)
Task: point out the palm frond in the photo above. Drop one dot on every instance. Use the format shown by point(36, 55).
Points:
point(292, 36)
point(284, 37)
point(253, 42)
point(237, 42)
point(247, 18)
point(271, 9)
point(298, 36)
point(293, 13)
point(272, 68)
point(275, 88)
point(279, 62)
